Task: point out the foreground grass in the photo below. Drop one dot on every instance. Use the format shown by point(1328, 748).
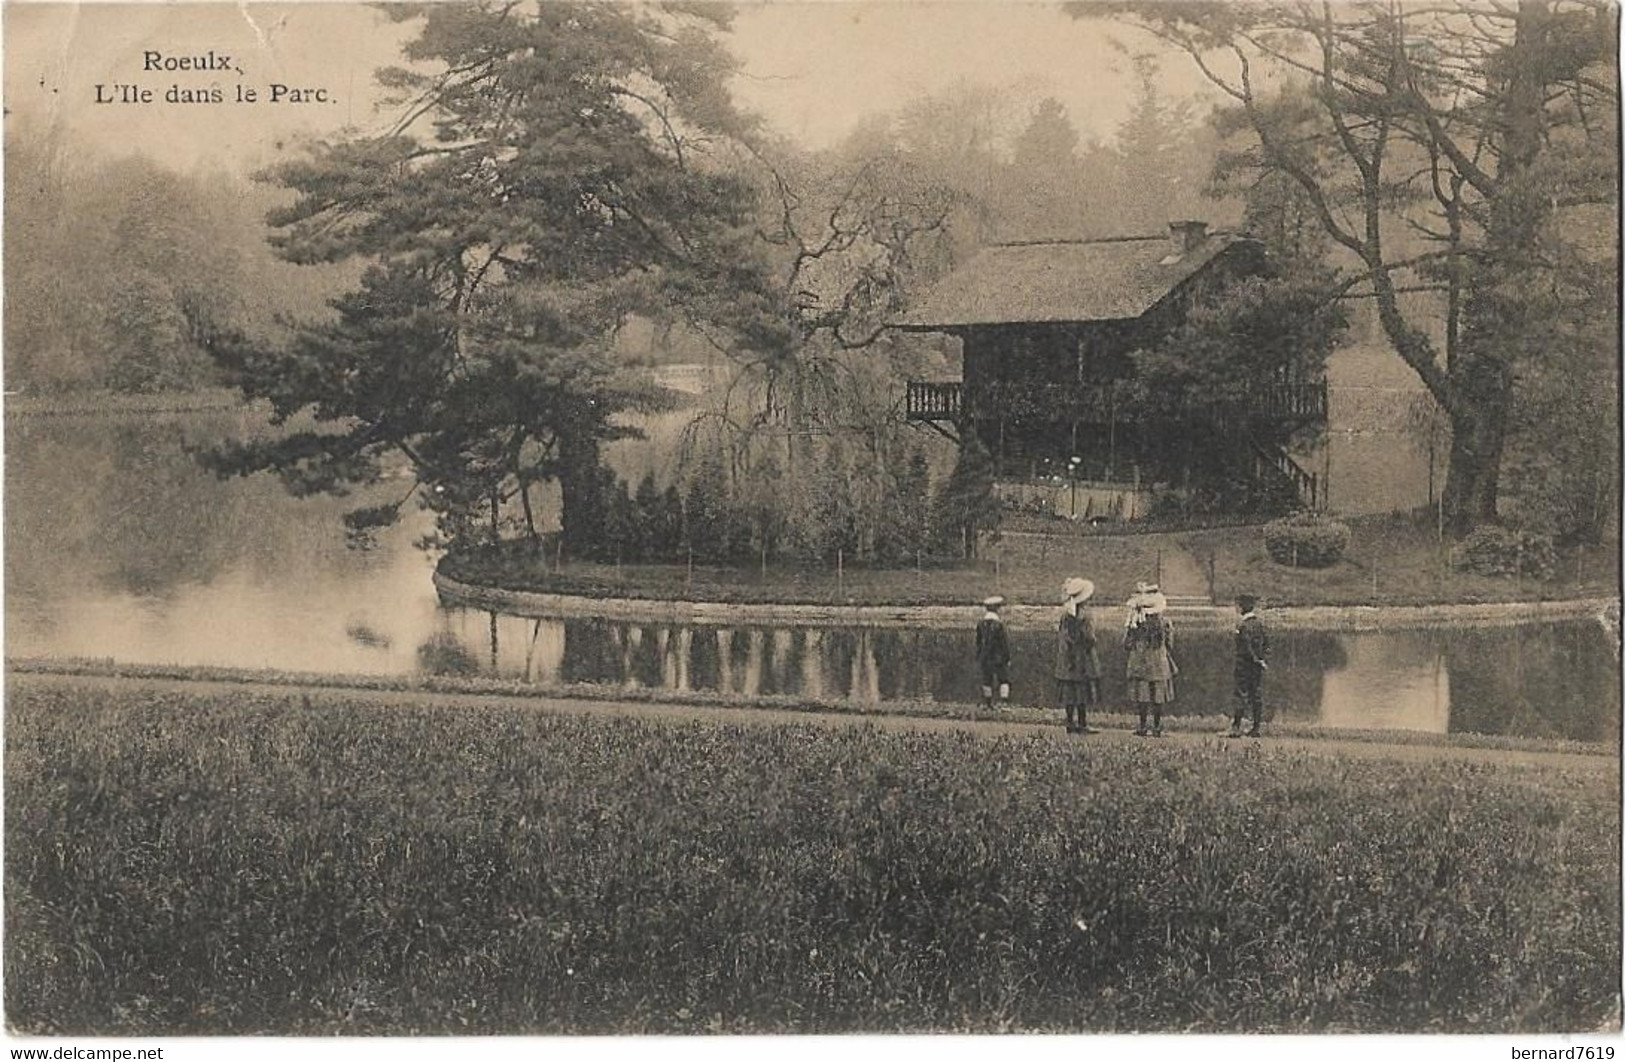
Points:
point(201, 863)
point(1391, 560)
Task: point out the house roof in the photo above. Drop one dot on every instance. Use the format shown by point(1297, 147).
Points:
point(1061, 281)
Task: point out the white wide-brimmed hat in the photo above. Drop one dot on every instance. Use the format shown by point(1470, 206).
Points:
point(1081, 589)
point(993, 602)
point(1148, 598)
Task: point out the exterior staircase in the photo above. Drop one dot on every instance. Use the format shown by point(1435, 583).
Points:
point(1273, 465)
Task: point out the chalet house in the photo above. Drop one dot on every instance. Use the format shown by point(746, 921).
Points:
point(1046, 330)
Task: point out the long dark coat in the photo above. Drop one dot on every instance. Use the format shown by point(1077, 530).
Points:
point(1076, 659)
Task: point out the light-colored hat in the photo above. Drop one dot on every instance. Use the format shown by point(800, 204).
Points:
point(993, 602)
point(1148, 598)
point(1082, 589)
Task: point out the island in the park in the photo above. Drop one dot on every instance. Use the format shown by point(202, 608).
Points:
point(525, 561)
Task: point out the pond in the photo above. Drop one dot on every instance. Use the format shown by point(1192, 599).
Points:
point(119, 546)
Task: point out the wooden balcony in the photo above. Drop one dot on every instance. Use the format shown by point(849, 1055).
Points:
point(1302, 403)
point(933, 401)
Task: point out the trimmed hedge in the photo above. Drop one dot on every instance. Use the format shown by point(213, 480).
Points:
point(1506, 552)
point(1305, 540)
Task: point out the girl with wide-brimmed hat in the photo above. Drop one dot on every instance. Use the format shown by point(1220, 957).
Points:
point(1077, 664)
point(1149, 639)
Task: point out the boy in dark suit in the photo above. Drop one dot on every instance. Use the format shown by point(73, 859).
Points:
point(993, 653)
point(1252, 649)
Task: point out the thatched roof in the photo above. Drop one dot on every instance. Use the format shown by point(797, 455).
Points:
point(1061, 281)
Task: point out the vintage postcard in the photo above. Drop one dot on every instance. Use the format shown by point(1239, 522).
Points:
point(669, 518)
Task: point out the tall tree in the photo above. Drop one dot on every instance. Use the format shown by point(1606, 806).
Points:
point(1435, 146)
point(1160, 159)
point(550, 174)
point(967, 507)
point(1044, 194)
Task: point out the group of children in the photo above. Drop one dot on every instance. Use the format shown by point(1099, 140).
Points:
point(1148, 639)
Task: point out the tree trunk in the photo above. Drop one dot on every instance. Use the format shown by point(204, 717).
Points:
point(1472, 482)
point(1499, 328)
point(580, 490)
point(531, 534)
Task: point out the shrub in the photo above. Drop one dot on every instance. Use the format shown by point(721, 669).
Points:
point(1306, 540)
point(1504, 551)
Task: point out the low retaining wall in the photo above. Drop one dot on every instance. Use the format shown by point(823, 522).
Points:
point(1021, 617)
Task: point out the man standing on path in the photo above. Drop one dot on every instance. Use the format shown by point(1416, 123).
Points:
point(1077, 664)
point(993, 653)
point(1252, 647)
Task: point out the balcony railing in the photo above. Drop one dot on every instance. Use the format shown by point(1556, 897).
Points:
point(946, 401)
point(933, 401)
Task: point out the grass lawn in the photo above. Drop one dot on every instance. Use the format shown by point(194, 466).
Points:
point(205, 862)
point(1391, 560)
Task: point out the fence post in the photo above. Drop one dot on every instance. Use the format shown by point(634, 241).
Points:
point(840, 571)
point(690, 579)
point(1212, 577)
point(1159, 566)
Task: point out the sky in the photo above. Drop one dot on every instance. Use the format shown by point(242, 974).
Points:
point(813, 69)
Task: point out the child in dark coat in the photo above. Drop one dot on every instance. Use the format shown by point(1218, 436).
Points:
point(1252, 649)
point(1077, 664)
point(993, 653)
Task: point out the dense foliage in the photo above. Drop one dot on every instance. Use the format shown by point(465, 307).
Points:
point(1306, 540)
point(118, 270)
point(848, 505)
point(1506, 551)
point(185, 863)
point(1465, 152)
point(549, 178)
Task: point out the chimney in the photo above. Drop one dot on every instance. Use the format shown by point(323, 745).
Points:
point(1187, 235)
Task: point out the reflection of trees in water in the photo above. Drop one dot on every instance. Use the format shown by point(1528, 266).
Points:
point(1549, 680)
point(119, 503)
point(1539, 681)
point(443, 654)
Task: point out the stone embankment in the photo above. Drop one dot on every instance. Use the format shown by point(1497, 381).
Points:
point(1022, 617)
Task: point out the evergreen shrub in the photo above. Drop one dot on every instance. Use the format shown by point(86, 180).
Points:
point(1505, 551)
point(1306, 540)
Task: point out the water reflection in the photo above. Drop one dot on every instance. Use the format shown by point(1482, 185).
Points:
point(1551, 680)
point(118, 545)
point(1388, 682)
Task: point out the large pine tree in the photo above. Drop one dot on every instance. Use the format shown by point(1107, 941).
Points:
point(548, 177)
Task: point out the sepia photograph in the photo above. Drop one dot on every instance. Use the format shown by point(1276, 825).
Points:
point(594, 518)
